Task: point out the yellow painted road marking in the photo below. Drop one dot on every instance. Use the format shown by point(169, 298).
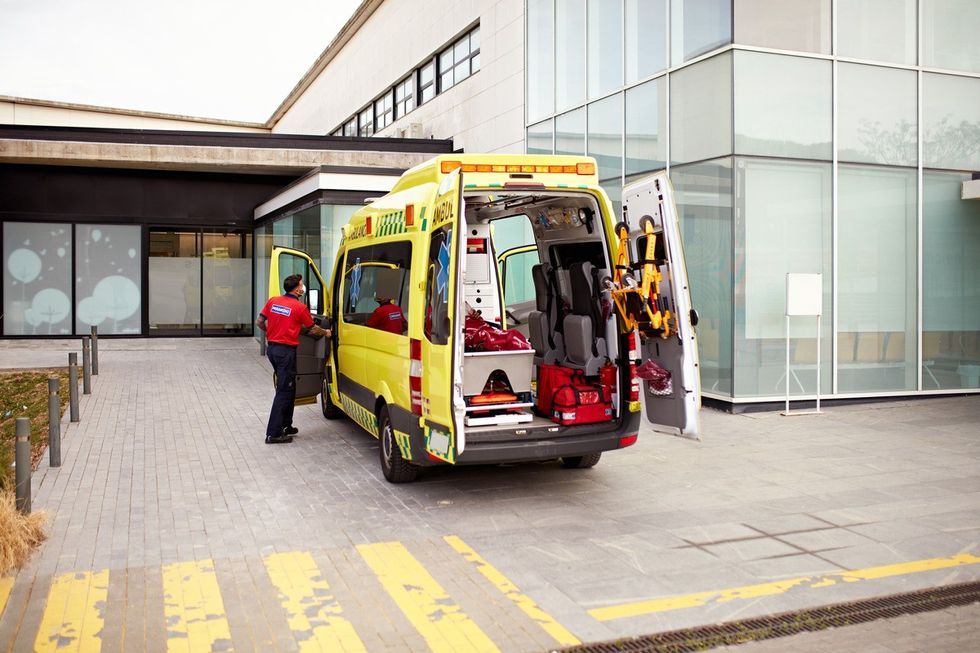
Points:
point(511, 591)
point(778, 587)
point(6, 585)
point(193, 608)
point(314, 614)
point(74, 613)
point(443, 625)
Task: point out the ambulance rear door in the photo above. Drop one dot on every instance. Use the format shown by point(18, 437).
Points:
point(443, 406)
point(311, 354)
point(674, 408)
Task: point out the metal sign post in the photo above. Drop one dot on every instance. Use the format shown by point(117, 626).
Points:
point(804, 297)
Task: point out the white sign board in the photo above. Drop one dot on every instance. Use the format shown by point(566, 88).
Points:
point(804, 294)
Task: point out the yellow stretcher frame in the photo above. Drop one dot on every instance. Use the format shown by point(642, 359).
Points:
point(646, 295)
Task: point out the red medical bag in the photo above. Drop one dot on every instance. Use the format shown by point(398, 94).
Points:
point(550, 378)
point(581, 403)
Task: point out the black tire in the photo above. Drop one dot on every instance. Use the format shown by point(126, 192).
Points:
point(581, 462)
point(327, 407)
point(395, 468)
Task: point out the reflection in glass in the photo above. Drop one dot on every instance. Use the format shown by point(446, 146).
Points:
point(950, 122)
point(263, 252)
point(950, 284)
point(782, 225)
point(174, 276)
point(698, 26)
point(570, 133)
point(949, 34)
point(227, 283)
point(783, 106)
point(879, 30)
point(540, 58)
point(108, 279)
point(569, 53)
point(606, 136)
point(540, 138)
point(876, 121)
point(646, 38)
point(876, 282)
point(36, 279)
point(703, 192)
point(646, 127)
point(701, 110)
point(784, 24)
point(605, 45)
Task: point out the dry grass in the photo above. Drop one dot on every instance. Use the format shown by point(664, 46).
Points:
point(19, 534)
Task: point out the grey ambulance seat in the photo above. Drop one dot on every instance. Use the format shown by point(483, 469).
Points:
point(543, 324)
point(584, 329)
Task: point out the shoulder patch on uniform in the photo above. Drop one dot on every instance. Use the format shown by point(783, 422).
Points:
point(282, 310)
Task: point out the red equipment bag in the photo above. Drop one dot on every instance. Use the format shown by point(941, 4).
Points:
point(581, 403)
point(550, 378)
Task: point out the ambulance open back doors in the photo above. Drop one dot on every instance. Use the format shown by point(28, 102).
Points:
point(611, 304)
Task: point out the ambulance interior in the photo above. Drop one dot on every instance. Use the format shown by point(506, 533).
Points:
point(568, 318)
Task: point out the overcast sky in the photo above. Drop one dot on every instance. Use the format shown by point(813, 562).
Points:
point(231, 59)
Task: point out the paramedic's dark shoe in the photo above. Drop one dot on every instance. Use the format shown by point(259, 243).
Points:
point(290, 430)
point(278, 439)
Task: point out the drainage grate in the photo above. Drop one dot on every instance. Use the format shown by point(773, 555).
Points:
point(703, 638)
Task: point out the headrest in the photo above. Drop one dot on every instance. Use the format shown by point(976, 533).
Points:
point(580, 278)
point(539, 274)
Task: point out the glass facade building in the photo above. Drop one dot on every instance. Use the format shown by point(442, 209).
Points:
point(829, 136)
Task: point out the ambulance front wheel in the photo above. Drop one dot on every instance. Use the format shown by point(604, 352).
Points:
point(581, 462)
point(327, 407)
point(395, 468)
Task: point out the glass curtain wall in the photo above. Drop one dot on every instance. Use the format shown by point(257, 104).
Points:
point(765, 185)
point(37, 288)
point(174, 274)
point(108, 279)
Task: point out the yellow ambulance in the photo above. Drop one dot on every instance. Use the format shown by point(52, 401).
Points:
point(473, 243)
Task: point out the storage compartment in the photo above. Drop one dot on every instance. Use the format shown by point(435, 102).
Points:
point(478, 368)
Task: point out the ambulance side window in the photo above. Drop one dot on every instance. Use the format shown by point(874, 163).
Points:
point(438, 279)
point(374, 274)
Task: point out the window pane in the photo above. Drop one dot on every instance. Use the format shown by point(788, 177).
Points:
point(646, 38)
point(783, 106)
point(782, 225)
point(461, 71)
point(36, 279)
point(462, 49)
point(949, 34)
point(784, 24)
point(108, 279)
point(228, 283)
point(703, 192)
point(605, 44)
point(951, 122)
point(539, 138)
point(475, 39)
point(880, 30)
point(569, 53)
point(950, 284)
point(876, 120)
point(876, 295)
point(606, 136)
point(426, 74)
point(697, 26)
point(540, 58)
point(570, 133)
point(701, 110)
point(174, 280)
point(646, 127)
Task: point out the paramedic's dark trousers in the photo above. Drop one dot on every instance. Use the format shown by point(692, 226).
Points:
point(283, 359)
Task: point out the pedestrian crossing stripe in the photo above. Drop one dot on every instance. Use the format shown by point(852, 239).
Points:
point(361, 415)
point(74, 615)
point(439, 619)
point(560, 634)
point(193, 608)
point(314, 614)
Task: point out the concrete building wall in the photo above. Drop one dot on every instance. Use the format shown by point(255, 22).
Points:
point(484, 113)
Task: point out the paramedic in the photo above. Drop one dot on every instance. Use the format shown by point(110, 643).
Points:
point(387, 317)
point(283, 319)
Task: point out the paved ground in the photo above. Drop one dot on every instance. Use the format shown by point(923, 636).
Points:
point(171, 516)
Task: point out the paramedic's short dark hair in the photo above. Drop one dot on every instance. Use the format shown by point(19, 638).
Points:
point(289, 283)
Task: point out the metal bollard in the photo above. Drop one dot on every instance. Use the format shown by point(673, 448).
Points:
point(73, 386)
point(22, 461)
point(86, 366)
point(95, 351)
point(54, 422)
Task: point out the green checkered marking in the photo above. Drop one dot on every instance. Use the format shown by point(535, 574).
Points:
point(423, 219)
point(391, 224)
point(404, 444)
point(364, 418)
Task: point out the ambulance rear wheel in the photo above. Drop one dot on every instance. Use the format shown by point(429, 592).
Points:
point(394, 467)
point(327, 407)
point(581, 462)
